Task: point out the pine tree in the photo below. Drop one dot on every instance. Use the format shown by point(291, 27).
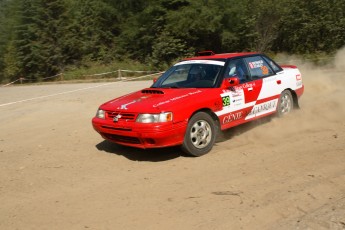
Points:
point(8, 23)
point(92, 29)
point(39, 38)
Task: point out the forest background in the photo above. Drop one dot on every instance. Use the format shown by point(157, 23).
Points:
point(42, 38)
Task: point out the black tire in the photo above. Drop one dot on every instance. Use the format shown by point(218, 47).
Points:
point(285, 104)
point(200, 135)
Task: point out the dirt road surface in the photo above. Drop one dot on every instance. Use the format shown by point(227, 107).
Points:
point(56, 172)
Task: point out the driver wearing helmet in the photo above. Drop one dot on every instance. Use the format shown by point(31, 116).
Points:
point(236, 69)
point(197, 73)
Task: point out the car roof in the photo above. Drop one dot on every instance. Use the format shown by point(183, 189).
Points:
point(221, 56)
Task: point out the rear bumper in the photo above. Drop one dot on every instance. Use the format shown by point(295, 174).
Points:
point(141, 135)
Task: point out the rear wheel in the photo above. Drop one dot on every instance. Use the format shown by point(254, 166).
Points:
point(200, 135)
point(285, 105)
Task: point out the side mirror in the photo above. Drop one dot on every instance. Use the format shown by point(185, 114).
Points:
point(154, 80)
point(230, 82)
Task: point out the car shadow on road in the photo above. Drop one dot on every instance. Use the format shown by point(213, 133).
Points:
point(170, 153)
point(134, 154)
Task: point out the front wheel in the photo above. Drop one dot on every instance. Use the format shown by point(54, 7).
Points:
point(285, 105)
point(200, 135)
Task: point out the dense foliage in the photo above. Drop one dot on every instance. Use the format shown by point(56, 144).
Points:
point(40, 38)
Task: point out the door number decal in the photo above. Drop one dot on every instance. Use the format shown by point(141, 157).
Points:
point(226, 101)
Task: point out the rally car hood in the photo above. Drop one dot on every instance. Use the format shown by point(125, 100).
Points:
point(153, 100)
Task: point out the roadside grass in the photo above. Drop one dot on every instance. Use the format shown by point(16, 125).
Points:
point(112, 71)
point(125, 70)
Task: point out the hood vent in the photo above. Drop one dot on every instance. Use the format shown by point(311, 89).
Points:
point(152, 91)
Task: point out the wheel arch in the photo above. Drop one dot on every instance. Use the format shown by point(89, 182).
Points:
point(197, 145)
point(211, 113)
point(294, 98)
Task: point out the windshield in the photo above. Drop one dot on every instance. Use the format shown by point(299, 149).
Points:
point(191, 74)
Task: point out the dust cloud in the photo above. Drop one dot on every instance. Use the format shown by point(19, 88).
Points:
point(322, 101)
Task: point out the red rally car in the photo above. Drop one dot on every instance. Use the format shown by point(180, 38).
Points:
point(196, 98)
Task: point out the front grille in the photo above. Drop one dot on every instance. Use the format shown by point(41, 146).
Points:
point(123, 139)
point(121, 115)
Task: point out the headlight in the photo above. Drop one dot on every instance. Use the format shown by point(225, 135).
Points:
point(100, 114)
point(154, 118)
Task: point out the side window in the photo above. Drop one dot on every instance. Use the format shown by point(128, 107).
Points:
point(237, 68)
point(258, 67)
point(274, 65)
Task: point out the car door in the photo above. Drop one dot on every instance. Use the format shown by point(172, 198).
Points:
point(263, 92)
point(239, 100)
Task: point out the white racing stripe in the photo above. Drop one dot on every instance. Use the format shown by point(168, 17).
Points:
point(234, 109)
point(263, 108)
point(209, 62)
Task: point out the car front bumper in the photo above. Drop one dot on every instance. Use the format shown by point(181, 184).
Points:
point(139, 135)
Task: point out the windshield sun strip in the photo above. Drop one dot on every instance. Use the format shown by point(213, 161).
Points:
point(209, 62)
